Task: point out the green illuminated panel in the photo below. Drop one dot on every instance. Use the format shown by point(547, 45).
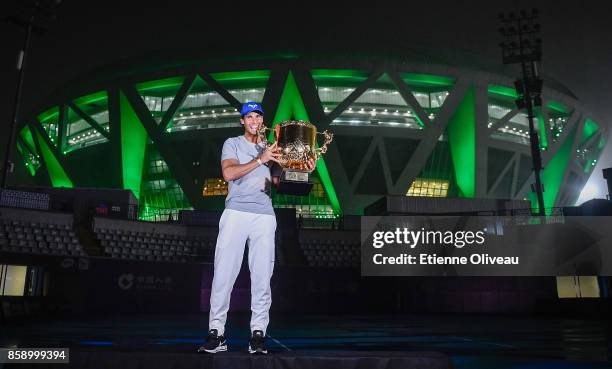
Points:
point(462, 140)
point(291, 106)
point(244, 76)
point(133, 144)
point(57, 174)
point(339, 75)
point(160, 195)
point(503, 91)
point(159, 86)
point(51, 114)
point(557, 107)
point(427, 80)
point(26, 135)
point(542, 134)
point(590, 128)
point(95, 98)
point(552, 175)
point(25, 155)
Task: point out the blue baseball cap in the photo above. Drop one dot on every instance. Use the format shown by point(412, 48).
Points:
point(250, 106)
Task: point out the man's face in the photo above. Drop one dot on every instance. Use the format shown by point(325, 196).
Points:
point(251, 122)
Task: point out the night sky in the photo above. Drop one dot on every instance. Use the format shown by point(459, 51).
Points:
point(87, 35)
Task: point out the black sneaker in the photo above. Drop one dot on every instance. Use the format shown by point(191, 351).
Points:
point(257, 343)
point(214, 343)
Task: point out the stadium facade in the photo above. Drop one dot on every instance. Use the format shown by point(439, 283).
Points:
point(401, 128)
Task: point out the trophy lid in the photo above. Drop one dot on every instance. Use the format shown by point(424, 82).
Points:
point(295, 123)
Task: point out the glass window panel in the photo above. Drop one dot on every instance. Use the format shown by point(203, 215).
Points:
point(498, 111)
point(438, 98)
point(14, 282)
point(428, 188)
point(422, 99)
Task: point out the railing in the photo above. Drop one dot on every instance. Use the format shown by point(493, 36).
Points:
point(24, 200)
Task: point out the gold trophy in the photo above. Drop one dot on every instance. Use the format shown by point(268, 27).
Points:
point(297, 141)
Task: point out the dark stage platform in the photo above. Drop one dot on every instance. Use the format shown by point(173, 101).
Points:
point(323, 341)
point(239, 360)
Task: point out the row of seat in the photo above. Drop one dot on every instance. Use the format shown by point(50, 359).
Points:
point(329, 241)
point(331, 261)
point(153, 240)
point(135, 245)
point(31, 247)
point(130, 245)
point(23, 236)
point(355, 252)
point(25, 223)
point(39, 237)
point(321, 251)
point(157, 235)
point(36, 230)
point(318, 246)
point(119, 253)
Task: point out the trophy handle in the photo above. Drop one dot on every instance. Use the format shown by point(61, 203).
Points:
point(323, 149)
point(261, 133)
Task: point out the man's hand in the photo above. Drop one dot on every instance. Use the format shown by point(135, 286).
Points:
point(311, 164)
point(271, 154)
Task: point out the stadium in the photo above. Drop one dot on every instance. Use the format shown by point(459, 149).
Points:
point(109, 225)
point(401, 128)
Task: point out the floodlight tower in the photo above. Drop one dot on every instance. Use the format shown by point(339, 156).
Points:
point(32, 14)
point(522, 45)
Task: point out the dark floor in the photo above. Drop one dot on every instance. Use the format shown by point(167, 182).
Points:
point(471, 341)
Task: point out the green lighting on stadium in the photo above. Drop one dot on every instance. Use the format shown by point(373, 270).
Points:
point(344, 75)
point(160, 84)
point(133, 144)
point(58, 176)
point(52, 113)
point(38, 151)
point(426, 80)
point(503, 91)
point(552, 175)
point(26, 135)
point(251, 76)
point(558, 107)
point(462, 140)
point(93, 98)
point(25, 155)
point(590, 128)
point(542, 126)
point(291, 106)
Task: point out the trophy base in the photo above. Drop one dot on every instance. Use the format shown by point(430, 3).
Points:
point(294, 183)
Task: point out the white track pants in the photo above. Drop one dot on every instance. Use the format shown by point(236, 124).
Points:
point(235, 229)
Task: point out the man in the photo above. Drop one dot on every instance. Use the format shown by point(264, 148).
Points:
point(248, 217)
